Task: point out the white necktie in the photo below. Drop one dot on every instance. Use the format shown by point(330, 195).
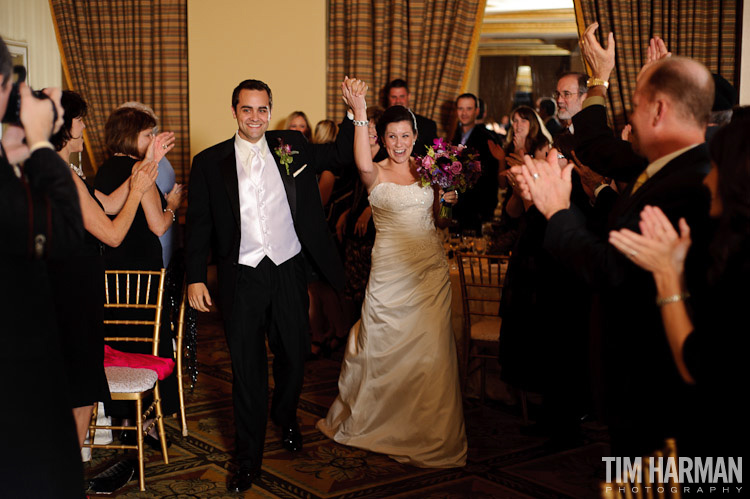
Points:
point(255, 163)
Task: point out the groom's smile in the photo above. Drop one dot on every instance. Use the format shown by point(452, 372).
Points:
point(252, 113)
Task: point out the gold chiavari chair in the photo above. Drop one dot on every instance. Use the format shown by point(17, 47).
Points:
point(481, 278)
point(627, 487)
point(179, 353)
point(128, 290)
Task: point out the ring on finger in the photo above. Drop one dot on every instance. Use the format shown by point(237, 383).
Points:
point(535, 175)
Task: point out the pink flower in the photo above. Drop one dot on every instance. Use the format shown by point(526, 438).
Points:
point(456, 167)
point(427, 162)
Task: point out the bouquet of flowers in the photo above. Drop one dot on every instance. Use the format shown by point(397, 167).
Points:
point(450, 167)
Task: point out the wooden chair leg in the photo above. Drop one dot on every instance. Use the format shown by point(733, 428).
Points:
point(139, 440)
point(160, 423)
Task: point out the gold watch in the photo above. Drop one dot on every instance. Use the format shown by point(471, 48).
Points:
point(593, 82)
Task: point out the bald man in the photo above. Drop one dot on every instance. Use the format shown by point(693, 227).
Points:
point(671, 105)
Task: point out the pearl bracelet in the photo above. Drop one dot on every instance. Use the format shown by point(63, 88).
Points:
point(170, 210)
point(361, 123)
point(672, 299)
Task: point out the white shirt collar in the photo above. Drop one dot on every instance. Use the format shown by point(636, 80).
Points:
point(244, 146)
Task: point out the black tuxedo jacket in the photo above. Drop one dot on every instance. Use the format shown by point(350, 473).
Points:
point(478, 204)
point(641, 375)
point(213, 217)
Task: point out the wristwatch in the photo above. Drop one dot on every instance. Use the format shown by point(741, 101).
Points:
point(593, 82)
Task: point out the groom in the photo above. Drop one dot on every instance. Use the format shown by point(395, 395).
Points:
point(254, 201)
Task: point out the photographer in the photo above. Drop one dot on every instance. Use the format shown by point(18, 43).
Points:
point(39, 217)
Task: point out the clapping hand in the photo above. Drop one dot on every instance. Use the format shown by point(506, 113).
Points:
point(601, 60)
point(657, 50)
point(514, 159)
point(590, 180)
point(175, 197)
point(544, 183)
point(144, 176)
point(658, 248)
point(159, 146)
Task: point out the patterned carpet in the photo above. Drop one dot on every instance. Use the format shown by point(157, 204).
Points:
point(502, 462)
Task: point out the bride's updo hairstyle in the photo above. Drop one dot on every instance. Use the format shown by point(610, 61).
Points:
point(394, 114)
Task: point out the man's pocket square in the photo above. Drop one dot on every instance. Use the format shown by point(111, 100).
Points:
point(299, 170)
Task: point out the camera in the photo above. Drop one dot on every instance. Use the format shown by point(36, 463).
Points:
point(13, 111)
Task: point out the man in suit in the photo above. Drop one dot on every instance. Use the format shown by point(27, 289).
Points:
point(40, 216)
point(397, 94)
point(547, 109)
point(477, 204)
point(255, 197)
point(570, 93)
point(671, 105)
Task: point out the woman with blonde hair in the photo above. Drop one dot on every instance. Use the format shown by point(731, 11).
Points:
point(298, 121)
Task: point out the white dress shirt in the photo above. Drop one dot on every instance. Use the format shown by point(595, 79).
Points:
point(266, 225)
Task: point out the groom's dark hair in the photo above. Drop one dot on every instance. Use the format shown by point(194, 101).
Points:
point(251, 85)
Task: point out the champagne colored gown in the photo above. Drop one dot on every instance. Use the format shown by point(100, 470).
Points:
point(399, 390)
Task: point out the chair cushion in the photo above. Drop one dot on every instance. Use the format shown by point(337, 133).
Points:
point(130, 379)
point(487, 329)
point(162, 366)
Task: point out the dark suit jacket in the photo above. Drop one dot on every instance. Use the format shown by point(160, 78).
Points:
point(213, 217)
point(642, 380)
point(427, 133)
point(478, 204)
point(598, 148)
point(554, 127)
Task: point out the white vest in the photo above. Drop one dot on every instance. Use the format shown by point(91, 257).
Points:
point(266, 225)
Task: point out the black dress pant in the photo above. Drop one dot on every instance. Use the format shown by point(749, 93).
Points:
point(269, 299)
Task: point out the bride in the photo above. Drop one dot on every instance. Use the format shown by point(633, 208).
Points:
point(398, 390)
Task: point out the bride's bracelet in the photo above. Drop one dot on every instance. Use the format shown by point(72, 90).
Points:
point(361, 123)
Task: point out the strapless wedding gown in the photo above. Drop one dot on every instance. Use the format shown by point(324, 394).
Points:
point(399, 391)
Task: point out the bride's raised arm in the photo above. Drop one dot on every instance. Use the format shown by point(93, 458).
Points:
point(354, 92)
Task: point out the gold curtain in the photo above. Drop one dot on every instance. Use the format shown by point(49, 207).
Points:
point(705, 30)
point(428, 44)
point(115, 52)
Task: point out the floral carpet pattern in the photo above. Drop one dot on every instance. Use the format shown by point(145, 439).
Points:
point(502, 462)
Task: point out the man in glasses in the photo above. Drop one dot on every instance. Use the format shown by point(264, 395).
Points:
point(570, 94)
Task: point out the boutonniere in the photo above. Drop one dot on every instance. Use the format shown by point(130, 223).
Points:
point(285, 153)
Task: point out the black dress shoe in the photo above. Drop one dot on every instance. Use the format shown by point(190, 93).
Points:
point(291, 438)
point(243, 479)
point(113, 478)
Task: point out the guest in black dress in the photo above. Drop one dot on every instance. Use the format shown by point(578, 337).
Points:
point(130, 137)
point(77, 279)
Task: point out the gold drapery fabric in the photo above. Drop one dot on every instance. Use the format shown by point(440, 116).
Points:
point(428, 44)
point(705, 30)
point(114, 52)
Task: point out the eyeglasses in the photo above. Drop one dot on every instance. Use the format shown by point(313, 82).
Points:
point(565, 95)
